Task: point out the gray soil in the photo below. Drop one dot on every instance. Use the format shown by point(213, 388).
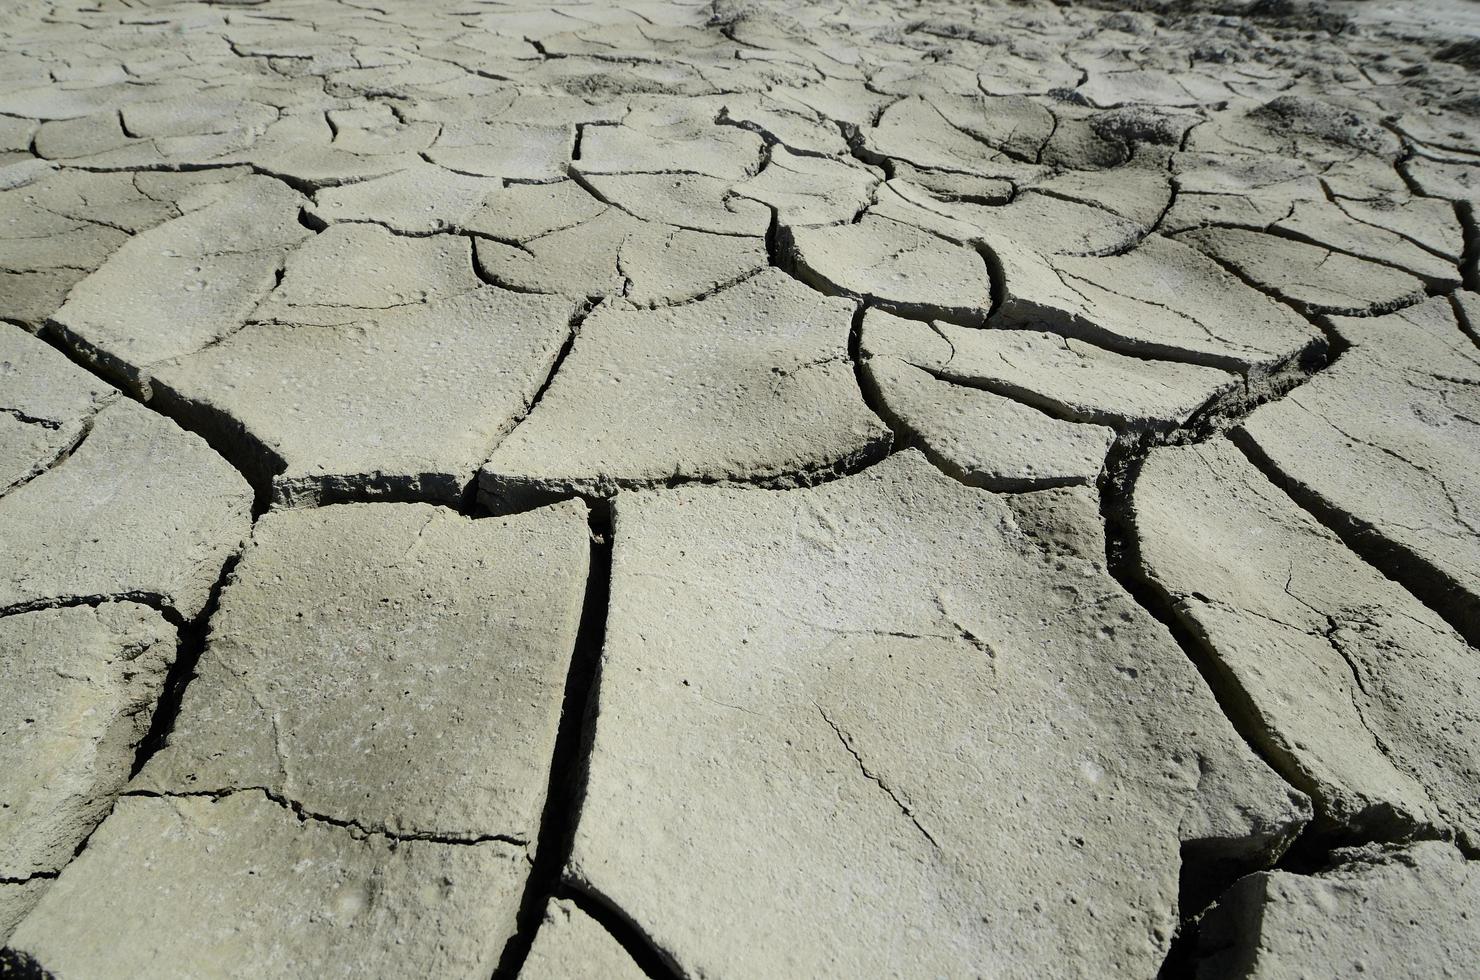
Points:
point(729, 489)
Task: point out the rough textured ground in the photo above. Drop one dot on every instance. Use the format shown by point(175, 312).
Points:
point(739, 489)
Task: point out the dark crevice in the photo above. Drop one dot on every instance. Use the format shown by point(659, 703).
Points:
point(566, 790)
point(229, 437)
point(1314, 852)
point(226, 436)
point(573, 331)
point(1306, 310)
point(1340, 203)
point(723, 118)
point(900, 804)
point(1277, 380)
point(19, 324)
point(455, 492)
point(1205, 876)
point(22, 966)
point(190, 641)
point(1429, 584)
point(1204, 873)
point(644, 953)
point(1324, 832)
point(153, 600)
point(773, 238)
point(1431, 285)
point(985, 199)
point(190, 644)
point(304, 815)
point(151, 168)
point(26, 419)
point(1213, 417)
point(902, 437)
point(1469, 263)
point(1401, 166)
point(1133, 240)
point(95, 360)
point(33, 878)
point(693, 298)
point(505, 495)
point(261, 465)
point(1183, 953)
point(489, 278)
point(787, 257)
point(996, 278)
point(64, 454)
point(315, 224)
point(299, 184)
point(1054, 408)
point(1027, 314)
point(511, 494)
point(486, 277)
point(906, 437)
point(1468, 326)
point(642, 172)
point(584, 182)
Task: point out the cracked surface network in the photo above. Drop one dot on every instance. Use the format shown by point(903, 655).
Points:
point(739, 489)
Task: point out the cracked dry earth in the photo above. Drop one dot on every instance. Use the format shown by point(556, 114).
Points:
point(739, 489)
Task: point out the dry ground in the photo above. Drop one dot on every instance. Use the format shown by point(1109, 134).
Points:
point(739, 489)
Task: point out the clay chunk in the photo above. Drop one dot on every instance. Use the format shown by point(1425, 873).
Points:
point(1383, 911)
point(1023, 797)
point(140, 509)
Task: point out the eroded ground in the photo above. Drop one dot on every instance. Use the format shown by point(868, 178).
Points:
point(739, 489)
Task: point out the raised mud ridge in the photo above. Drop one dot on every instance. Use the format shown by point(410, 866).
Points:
point(739, 489)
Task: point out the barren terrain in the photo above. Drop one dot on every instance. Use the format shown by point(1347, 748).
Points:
point(739, 489)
